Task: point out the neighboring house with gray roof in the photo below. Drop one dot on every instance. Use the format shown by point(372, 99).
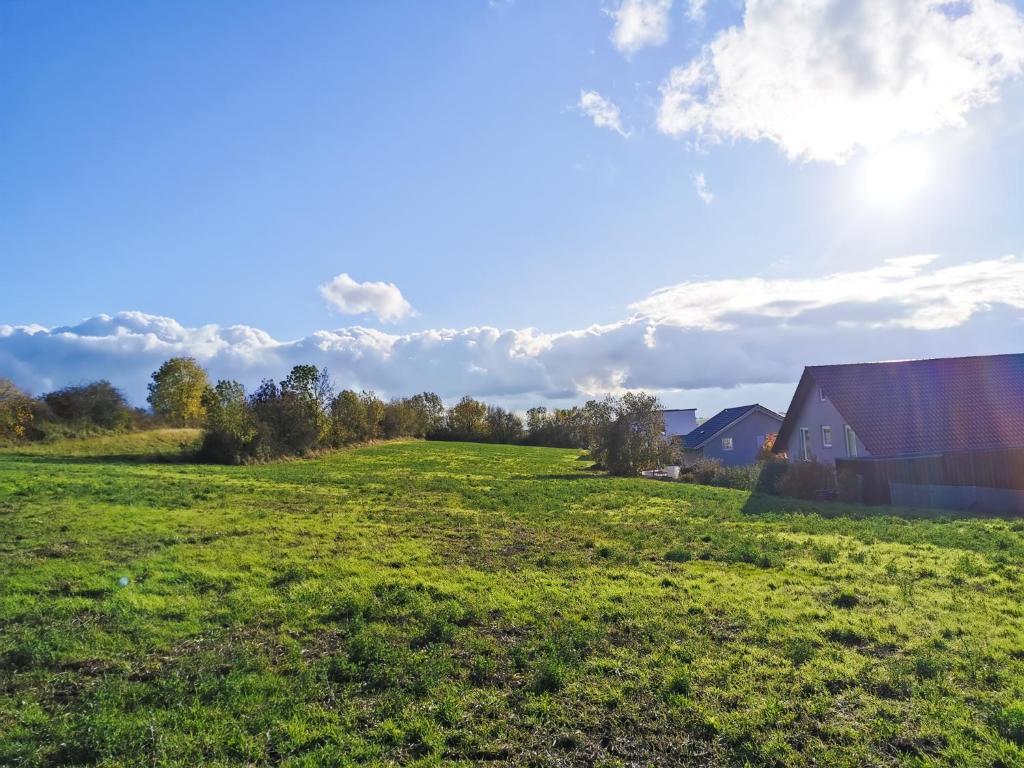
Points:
point(732, 436)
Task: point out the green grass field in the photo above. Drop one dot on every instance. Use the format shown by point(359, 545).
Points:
point(430, 603)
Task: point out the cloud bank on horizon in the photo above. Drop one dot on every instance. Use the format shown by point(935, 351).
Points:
point(695, 335)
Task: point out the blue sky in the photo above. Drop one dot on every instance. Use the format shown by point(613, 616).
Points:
point(209, 166)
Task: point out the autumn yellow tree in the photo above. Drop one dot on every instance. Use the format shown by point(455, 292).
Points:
point(15, 411)
point(176, 392)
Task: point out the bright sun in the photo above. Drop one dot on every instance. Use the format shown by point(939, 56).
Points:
point(892, 176)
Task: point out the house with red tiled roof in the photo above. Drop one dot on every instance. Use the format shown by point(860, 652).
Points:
point(922, 433)
point(905, 408)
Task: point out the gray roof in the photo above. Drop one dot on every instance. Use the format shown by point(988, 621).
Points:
point(719, 422)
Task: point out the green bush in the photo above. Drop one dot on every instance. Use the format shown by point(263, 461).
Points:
point(230, 427)
point(772, 468)
point(804, 479)
point(16, 412)
point(849, 486)
point(99, 405)
point(713, 472)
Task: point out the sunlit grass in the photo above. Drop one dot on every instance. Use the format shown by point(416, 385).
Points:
point(443, 603)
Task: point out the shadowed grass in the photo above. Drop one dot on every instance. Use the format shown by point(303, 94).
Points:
point(445, 603)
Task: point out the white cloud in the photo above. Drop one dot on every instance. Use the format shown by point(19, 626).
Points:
point(640, 23)
point(351, 298)
point(900, 293)
point(720, 334)
point(700, 186)
point(822, 78)
point(696, 9)
point(603, 112)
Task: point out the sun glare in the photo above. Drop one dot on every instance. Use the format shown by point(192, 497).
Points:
point(892, 176)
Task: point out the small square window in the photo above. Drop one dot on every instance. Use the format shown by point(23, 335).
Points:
point(726, 443)
point(826, 436)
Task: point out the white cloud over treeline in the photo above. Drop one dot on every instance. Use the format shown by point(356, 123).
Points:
point(694, 335)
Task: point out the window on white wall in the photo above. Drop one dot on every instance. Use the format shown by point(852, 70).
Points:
point(805, 444)
point(726, 443)
point(821, 394)
point(851, 440)
point(826, 436)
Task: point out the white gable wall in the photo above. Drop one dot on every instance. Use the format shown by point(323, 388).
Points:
point(812, 414)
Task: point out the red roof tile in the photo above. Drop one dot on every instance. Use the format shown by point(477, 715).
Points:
point(924, 406)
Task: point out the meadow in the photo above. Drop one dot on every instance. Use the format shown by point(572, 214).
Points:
point(423, 603)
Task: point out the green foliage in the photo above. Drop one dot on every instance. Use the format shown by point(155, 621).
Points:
point(680, 683)
point(287, 424)
point(302, 415)
point(549, 676)
point(306, 394)
point(448, 604)
point(467, 420)
point(678, 555)
point(846, 600)
point(627, 434)
point(805, 479)
point(357, 418)
point(825, 553)
point(15, 411)
point(176, 392)
point(503, 426)
point(99, 404)
point(713, 472)
point(230, 427)
point(799, 650)
point(1009, 721)
point(563, 427)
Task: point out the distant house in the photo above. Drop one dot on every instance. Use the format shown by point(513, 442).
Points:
point(733, 436)
point(679, 421)
point(917, 432)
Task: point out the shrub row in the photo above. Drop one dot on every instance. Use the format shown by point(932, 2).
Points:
point(802, 480)
point(73, 411)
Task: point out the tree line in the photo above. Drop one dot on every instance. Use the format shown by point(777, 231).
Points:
point(72, 411)
point(302, 414)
